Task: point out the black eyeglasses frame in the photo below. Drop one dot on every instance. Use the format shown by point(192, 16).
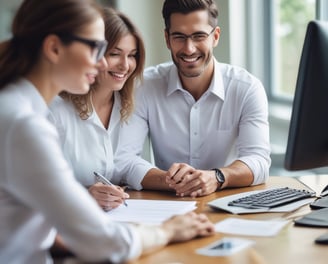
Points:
point(99, 45)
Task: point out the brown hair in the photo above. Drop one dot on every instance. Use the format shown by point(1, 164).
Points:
point(188, 6)
point(34, 21)
point(117, 25)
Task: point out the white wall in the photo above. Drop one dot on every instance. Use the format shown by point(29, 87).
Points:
point(7, 11)
point(146, 14)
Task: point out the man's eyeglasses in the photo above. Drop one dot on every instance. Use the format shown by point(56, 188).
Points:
point(98, 46)
point(195, 37)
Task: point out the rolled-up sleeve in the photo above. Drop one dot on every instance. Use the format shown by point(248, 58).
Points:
point(253, 142)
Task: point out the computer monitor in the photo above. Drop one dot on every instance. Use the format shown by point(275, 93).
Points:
point(307, 146)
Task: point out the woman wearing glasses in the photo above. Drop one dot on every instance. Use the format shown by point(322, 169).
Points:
point(88, 124)
point(38, 190)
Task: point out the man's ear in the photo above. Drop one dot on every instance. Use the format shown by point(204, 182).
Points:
point(51, 48)
point(216, 34)
point(167, 39)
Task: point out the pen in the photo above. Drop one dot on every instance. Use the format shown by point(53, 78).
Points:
point(104, 180)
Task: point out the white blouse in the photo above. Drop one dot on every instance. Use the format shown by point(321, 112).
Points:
point(87, 145)
point(38, 191)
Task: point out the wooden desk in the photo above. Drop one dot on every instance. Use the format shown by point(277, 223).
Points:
point(292, 245)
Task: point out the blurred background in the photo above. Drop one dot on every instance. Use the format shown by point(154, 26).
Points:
point(265, 37)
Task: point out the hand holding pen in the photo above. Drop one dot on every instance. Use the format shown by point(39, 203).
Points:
point(102, 194)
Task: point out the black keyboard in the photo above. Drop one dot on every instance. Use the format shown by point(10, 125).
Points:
point(272, 198)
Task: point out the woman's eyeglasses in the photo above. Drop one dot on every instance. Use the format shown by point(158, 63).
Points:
point(98, 46)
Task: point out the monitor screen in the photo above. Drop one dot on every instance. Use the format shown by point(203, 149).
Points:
point(307, 146)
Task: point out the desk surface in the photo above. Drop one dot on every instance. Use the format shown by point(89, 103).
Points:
point(292, 245)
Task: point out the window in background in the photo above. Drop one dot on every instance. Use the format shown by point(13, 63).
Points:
point(288, 27)
point(276, 31)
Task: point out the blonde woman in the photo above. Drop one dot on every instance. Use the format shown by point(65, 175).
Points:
point(89, 124)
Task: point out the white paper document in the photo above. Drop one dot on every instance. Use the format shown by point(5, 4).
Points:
point(152, 212)
point(249, 227)
point(222, 203)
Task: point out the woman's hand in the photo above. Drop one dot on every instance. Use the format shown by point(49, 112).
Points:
point(108, 196)
point(185, 227)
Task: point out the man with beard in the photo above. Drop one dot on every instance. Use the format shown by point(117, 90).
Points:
point(207, 121)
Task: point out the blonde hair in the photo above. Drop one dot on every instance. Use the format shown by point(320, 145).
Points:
point(117, 25)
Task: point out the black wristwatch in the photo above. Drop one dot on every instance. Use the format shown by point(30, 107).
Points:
point(219, 176)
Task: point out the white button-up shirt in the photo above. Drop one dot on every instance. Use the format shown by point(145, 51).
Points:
point(38, 190)
point(229, 122)
point(87, 145)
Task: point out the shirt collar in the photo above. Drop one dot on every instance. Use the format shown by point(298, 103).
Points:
point(216, 86)
point(115, 115)
point(174, 82)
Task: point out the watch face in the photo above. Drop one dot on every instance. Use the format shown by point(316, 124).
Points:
point(219, 176)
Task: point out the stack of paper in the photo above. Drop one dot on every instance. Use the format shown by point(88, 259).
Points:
point(150, 211)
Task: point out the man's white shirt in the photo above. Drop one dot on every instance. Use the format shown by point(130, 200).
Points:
point(229, 122)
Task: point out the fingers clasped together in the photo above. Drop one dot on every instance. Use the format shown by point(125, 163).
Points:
point(187, 181)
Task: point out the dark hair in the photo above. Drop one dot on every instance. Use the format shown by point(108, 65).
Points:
point(34, 21)
point(188, 6)
point(117, 25)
